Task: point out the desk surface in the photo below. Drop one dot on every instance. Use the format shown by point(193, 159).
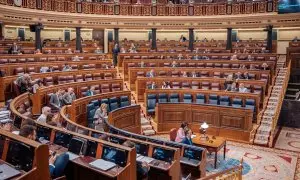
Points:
point(16, 177)
point(84, 162)
point(219, 141)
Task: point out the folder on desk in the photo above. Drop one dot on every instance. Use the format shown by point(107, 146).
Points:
point(102, 164)
point(144, 159)
point(72, 155)
point(7, 172)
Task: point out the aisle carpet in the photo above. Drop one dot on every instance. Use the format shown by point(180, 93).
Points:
point(260, 163)
point(289, 139)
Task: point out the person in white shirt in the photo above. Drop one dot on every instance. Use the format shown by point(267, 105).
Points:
point(76, 58)
point(44, 69)
point(234, 57)
point(69, 51)
point(242, 88)
point(67, 67)
point(45, 112)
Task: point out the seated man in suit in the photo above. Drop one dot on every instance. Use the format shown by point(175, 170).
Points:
point(98, 51)
point(91, 91)
point(142, 167)
point(14, 49)
point(69, 96)
point(151, 73)
point(187, 139)
point(57, 163)
point(152, 85)
point(56, 99)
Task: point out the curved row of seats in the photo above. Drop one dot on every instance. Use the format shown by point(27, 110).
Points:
point(213, 99)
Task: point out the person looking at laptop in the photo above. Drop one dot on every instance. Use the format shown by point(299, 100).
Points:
point(57, 163)
point(142, 167)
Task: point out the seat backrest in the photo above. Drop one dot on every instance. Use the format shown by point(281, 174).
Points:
point(162, 98)
point(124, 101)
point(213, 99)
point(105, 88)
point(215, 86)
point(187, 98)
point(116, 87)
point(250, 103)
point(108, 76)
point(205, 85)
point(224, 100)
point(88, 77)
point(237, 102)
point(173, 134)
point(174, 98)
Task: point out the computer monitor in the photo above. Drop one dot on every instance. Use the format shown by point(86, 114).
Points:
point(116, 140)
point(142, 149)
point(20, 155)
point(115, 155)
point(62, 139)
point(76, 146)
point(43, 132)
point(91, 148)
point(163, 154)
point(192, 153)
point(96, 134)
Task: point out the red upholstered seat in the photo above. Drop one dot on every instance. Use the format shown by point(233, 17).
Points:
point(173, 134)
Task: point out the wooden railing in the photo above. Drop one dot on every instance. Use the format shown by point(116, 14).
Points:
point(201, 9)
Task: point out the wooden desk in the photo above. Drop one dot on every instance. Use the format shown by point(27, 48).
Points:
point(215, 146)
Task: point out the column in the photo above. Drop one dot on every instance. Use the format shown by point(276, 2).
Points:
point(78, 39)
point(191, 39)
point(153, 38)
point(269, 37)
point(116, 35)
point(38, 41)
point(229, 39)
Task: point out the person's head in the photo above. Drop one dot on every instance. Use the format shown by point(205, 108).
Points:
point(69, 50)
point(92, 88)
point(38, 51)
point(46, 110)
point(98, 48)
point(249, 56)
point(28, 131)
point(103, 107)
point(116, 45)
point(103, 137)
point(188, 132)
point(242, 85)
point(129, 144)
point(238, 73)
point(14, 43)
point(264, 65)
point(153, 83)
point(8, 126)
point(26, 76)
point(184, 73)
point(174, 63)
point(229, 77)
point(27, 122)
point(164, 83)
point(152, 71)
point(234, 57)
point(70, 90)
point(183, 125)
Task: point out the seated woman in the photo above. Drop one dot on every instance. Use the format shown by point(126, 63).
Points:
point(180, 132)
point(99, 116)
point(165, 85)
point(187, 139)
point(228, 81)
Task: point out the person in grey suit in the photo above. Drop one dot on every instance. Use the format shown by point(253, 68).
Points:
point(56, 99)
point(69, 96)
point(151, 73)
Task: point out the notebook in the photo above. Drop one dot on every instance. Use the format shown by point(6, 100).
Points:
point(7, 172)
point(144, 159)
point(102, 164)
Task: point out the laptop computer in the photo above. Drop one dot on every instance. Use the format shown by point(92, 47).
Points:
point(7, 172)
point(102, 164)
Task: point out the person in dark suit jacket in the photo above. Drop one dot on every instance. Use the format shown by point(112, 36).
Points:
point(151, 73)
point(142, 168)
point(56, 99)
point(115, 52)
point(57, 163)
point(14, 49)
point(187, 139)
point(91, 91)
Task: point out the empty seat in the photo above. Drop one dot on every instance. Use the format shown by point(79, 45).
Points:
point(237, 102)
point(51, 58)
point(92, 66)
point(187, 98)
point(92, 58)
point(97, 76)
point(30, 70)
point(88, 77)
point(116, 87)
point(175, 73)
point(113, 103)
point(85, 66)
point(105, 88)
point(55, 68)
point(257, 89)
point(215, 86)
point(182, 64)
point(174, 98)
point(30, 60)
point(90, 113)
point(124, 101)
point(200, 98)
point(61, 58)
point(162, 73)
point(204, 74)
point(3, 61)
point(78, 78)
point(108, 76)
point(62, 79)
point(192, 65)
point(83, 91)
point(209, 65)
point(70, 79)
point(152, 64)
point(96, 89)
point(205, 85)
point(250, 104)
point(43, 59)
point(95, 103)
point(175, 85)
point(140, 74)
point(185, 85)
point(131, 65)
point(224, 100)
point(217, 75)
point(162, 98)
point(213, 99)
point(22, 60)
point(235, 66)
point(226, 66)
point(151, 103)
point(19, 70)
point(48, 81)
point(218, 65)
point(195, 85)
point(74, 66)
point(252, 76)
point(202, 65)
point(167, 64)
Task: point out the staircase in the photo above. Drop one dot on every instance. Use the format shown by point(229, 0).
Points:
point(147, 128)
point(267, 118)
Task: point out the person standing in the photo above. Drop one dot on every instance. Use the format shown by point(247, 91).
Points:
point(115, 52)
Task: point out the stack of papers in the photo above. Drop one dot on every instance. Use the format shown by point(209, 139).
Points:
point(72, 155)
point(144, 159)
